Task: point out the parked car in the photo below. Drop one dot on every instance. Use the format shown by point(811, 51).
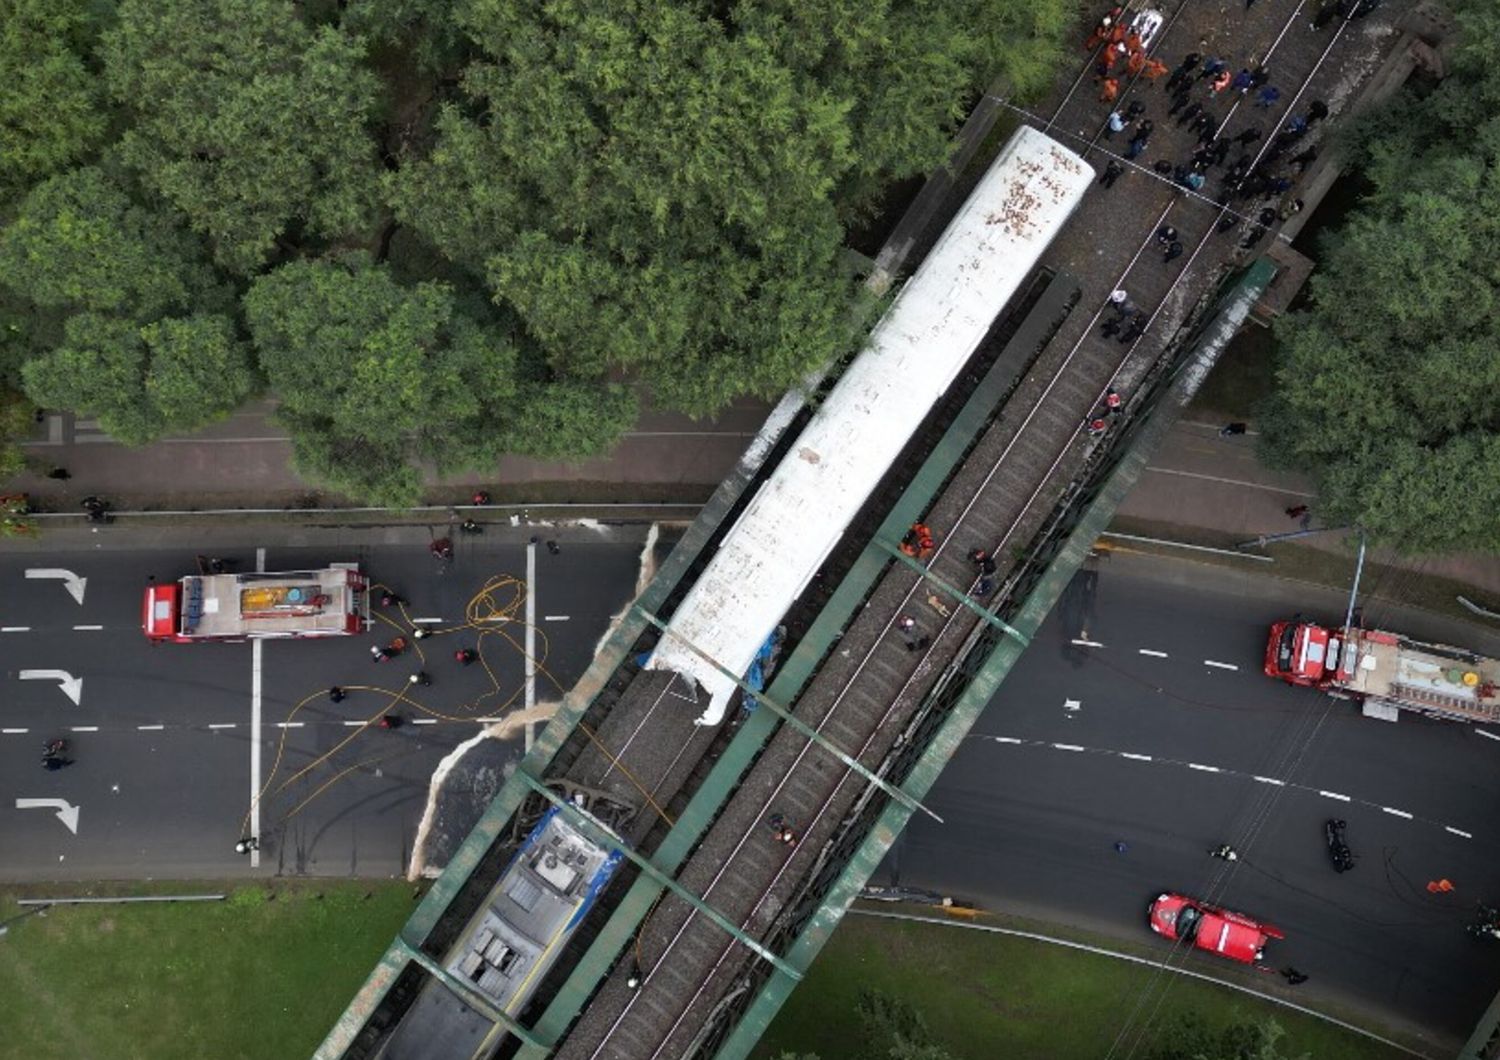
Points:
point(1207, 927)
point(1338, 846)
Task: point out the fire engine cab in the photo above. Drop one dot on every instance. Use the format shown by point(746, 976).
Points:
point(333, 602)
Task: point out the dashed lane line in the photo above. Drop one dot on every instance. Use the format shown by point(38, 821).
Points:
point(84, 728)
point(14, 732)
point(1222, 771)
point(1486, 735)
point(149, 728)
point(15, 629)
point(223, 725)
point(1154, 654)
point(1086, 643)
point(87, 629)
point(555, 618)
point(1220, 665)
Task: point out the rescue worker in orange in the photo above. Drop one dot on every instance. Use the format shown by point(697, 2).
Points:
point(1109, 90)
point(918, 542)
point(1136, 63)
point(1154, 69)
point(1102, 30)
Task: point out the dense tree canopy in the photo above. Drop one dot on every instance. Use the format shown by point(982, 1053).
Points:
point(51, 112)
point(1388, 384)
point(246, 119)
point(440, 231)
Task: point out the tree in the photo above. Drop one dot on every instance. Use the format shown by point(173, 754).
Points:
point(1243, 1038)
point(1388, 387)
point(143, 381)
point(51, 112)
point(246, 119)
point(79, 242)
point(662, 188)
point(893, 1028)
point(374, 376)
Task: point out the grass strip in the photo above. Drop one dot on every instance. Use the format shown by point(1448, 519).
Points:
point(259, 976)
point(985, 995)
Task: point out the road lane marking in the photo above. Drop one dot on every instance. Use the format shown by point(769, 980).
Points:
point(1072, 705)
point(1135, 757)
point(1457, 831)
point(1203, 768)
point(1487, 735)
point(1221, 666)
point(354, 724)
point(1272, 781)
point(85, 629)
point(1153, 654)
point(149, 728)
point(15, 629)
point(554, 618)
point(1334, 795)
point(427, 621)
point(84, 728)
point(1067, 747)
point(257, 661)
point(1004, 739)
point(15, 732)
point(424, 721)
point(530, 640)
point(1395, 812)
point(288, 724)
point(225, 724)
point(71, 582)
point(1086, 643)
point(71, 686)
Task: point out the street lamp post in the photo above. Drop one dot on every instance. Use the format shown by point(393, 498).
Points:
point(40, 910)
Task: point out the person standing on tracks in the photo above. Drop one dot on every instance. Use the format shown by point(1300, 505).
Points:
point(1114, 123)
point(1140, 139)
point(1267, 97)
point(1173, 251)
point(1154, 69)
point(1109, 90)
point(1136, 328)
point(1112, 173)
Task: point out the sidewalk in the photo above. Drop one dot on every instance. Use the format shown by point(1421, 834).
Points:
point(1202, 482)
point(244, 461)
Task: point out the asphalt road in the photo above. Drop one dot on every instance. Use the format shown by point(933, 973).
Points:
point(163, 737)
point(1161, 731)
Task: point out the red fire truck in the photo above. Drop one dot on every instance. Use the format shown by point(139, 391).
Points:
point(1386, 672)
point(333, 602)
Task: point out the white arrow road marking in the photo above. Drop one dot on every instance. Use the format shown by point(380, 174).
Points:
point(72, 582)
point(1071, 704)
point(72, 686)
point(66, 813)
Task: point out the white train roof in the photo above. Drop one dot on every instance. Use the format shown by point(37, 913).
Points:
point(914, 353)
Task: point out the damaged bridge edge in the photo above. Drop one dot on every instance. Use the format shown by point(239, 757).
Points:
point(1234, 305)
point(575, 704)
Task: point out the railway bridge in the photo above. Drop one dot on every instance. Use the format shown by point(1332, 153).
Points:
point(666, 862)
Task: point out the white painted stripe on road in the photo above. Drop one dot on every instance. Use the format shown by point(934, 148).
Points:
point(530, 640)
point(289, 724)
point(1200, 767)
point(1333, 795)
point(1067, 747)
point(1221, 666)
point(1004, 739)
point(1457, 831)
point(257, 660)
point(354, 724)
point(1231, 481)
point(84, 728)
point(226, 724)
point(487, 721)
point(427, 621)
point(15, 629)
point(554, 618)
point(1271, 780)
point(1135, 757)
point(149, 728)
point(82, 629)
point(1489, 735)
point(1153, 654)
point(424, 721)
point(1395, 812)
point(1086, 643)
point(15, 732)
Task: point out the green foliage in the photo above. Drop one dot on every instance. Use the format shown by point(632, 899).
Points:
point(427, 29)
point(661, 188)
point(246, 119)
point(1388, 387)
point(893, 1028)
point(50, 111)
point(79, 242)
point(1191, 1038)
point(144, 381)
point(373, 375)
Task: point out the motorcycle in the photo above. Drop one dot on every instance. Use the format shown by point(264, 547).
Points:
point(55, 755)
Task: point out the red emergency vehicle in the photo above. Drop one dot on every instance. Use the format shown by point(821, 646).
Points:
point(333, 602)
point(1386, 672)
